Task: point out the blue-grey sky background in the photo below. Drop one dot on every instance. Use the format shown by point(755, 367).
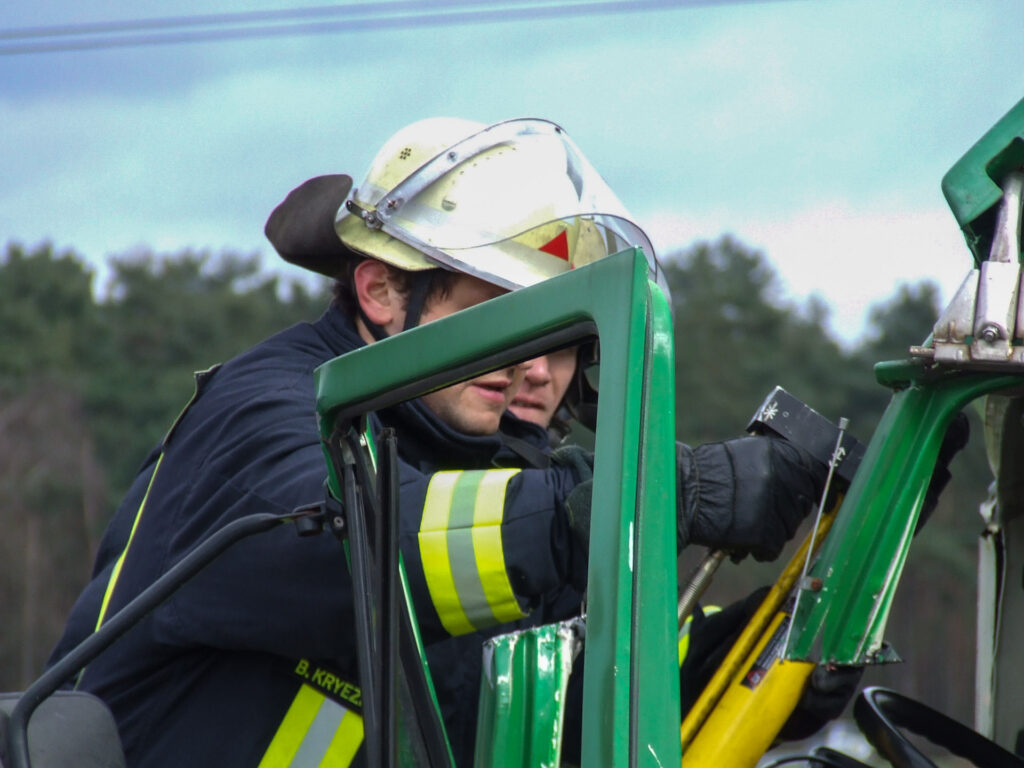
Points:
point(814, 130)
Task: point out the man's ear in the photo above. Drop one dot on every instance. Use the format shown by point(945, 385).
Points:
point(376, 294)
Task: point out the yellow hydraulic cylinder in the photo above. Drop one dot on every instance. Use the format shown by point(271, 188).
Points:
point(754, 707)
point(734, 720)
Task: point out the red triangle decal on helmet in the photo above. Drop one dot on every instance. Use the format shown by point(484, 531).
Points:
point(557, 246)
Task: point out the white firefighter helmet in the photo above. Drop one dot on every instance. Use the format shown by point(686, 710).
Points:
point(512, 204)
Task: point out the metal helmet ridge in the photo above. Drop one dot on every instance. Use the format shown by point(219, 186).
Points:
point(513, 203)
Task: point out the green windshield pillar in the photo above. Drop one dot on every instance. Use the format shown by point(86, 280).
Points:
point(862, 559)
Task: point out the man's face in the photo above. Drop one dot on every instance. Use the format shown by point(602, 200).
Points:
point(474, 406)
point(544, 386)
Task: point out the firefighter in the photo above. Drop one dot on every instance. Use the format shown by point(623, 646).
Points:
point(545, 384)
point(252, 662)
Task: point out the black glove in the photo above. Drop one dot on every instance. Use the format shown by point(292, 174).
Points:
point(710, 639)
point(824, 698)
point(746, 495)
point(957, 434)
point(577, 507)
point(577, 511)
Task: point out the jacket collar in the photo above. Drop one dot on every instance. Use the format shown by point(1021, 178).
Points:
point(338, 331)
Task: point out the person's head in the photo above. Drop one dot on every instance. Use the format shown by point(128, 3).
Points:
point(544, 386)
point(507, 205)
point(475, 406)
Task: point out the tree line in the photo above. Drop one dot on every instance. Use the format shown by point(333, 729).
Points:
point(89, 384)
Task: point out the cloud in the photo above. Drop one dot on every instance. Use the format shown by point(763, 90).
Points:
point(851, 256)
point(745, 117)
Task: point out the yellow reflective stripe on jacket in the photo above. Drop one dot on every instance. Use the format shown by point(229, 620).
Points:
point(684, 633)
point(201, 379)
point(461, 550)
point(119, 563)
point(315, 731)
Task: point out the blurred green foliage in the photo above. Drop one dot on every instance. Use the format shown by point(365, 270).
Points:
point(89, 385)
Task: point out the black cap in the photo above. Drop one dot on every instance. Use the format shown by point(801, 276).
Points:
point(301, 228)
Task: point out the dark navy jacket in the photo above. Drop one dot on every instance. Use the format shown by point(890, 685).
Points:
point(209, 676)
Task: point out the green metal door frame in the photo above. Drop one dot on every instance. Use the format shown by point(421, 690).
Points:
point(631, 637)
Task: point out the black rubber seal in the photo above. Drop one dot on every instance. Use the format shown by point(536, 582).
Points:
point(882, 715)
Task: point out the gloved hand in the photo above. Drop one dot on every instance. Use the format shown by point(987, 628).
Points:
point(824, 698)
point(828, 691)
point(957, 434)
point(746, 495)
point(577, 507)
point(710, 638)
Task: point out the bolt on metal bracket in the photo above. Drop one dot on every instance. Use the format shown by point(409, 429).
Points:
point(986, 315)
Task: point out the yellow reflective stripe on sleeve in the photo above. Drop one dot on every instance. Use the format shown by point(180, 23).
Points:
point(684, 633)
point(684, 640)
point(488, 513)
point(116, 572)
point(315, 731)
point(461, 549)
point(433, 540)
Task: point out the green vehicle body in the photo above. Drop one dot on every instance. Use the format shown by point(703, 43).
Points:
point(631, 696)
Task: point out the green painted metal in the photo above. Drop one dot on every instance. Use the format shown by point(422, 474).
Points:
point(522, 696)
point(407, 736)
point(971, 186)
point(654, 698)
point(630, 654)
point(862, 558)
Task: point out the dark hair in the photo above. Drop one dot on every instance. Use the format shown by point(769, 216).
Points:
point(344, 294)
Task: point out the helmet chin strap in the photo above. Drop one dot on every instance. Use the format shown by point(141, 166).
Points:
point(419, 289)
point(418, 292)
point(378, 333)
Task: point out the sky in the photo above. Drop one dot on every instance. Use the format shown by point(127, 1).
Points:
point(816, 131)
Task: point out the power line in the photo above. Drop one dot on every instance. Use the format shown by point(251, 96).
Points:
point(359, 17)
point(242, 17)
